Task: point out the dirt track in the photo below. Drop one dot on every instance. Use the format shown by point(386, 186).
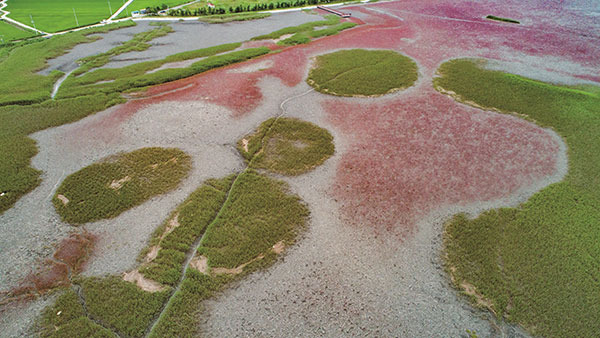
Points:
point(369, 263)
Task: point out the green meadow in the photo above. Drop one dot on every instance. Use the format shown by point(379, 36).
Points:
point(55, 16)
point(536, 264)
point(9, 32)
point(359, 72)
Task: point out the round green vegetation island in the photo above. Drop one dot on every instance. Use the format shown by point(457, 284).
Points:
point(287, 146)
point(118, 183)
point(360, 72)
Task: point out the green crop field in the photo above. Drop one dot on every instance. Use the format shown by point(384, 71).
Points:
point(54, 16)
point(360, 72)
point(10, 32)
point(537, 264)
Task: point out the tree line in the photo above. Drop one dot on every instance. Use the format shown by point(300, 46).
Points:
point(237, 9)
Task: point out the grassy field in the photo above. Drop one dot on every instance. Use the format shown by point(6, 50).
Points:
point(258, 213)
point(537, 264)
point(193, 216)
point(120, 182)
point(120, 305)
point(54, 16)
point(23, 63)
point(10, 32)
point(359, 72)
point(289, 147)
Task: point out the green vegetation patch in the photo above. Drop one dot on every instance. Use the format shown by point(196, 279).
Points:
point(136, 76)
point(287, 146)
point(258, 213)
point(359, 72)
point(305, 35)
point(536, 264)
point(175, 238)
point(16, 149)
point(120, 305)
point(223, 18)
point(138, 43)
point(139, 69)
point(54, 16)
point(67, 318)
point(305, 27)
point(9, 32)
point(26, 86)
point(181, 317)
point(120, 182)
point(497, 18)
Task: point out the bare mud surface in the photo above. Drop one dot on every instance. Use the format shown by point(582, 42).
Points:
point(375, 272)
point(187, 35)
point(190, 35)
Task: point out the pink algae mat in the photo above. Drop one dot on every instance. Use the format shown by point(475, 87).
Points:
point(415, 151)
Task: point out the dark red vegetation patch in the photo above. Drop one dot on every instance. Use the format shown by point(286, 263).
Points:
point(74, 250)
point(69, 257)
point(50, 275)
point(415, 154)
